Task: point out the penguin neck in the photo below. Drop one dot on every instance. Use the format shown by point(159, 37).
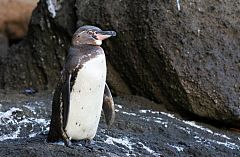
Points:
point(86, 49)
point(85, 46)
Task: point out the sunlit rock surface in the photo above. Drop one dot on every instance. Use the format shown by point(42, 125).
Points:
point(15, 16)
point(137, 131)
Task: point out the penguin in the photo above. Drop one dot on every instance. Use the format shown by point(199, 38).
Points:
point(82, 92)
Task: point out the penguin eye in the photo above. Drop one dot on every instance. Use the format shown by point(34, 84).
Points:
point(90, 32)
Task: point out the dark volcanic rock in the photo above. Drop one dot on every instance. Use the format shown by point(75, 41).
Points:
point(186, 56)
point(189, 57)
point(137, 131)
point(3, 45)
point(36, 61)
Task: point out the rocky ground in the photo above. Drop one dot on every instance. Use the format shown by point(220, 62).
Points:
point(142, 128)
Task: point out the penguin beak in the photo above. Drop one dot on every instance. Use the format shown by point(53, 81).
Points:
point(102, 35)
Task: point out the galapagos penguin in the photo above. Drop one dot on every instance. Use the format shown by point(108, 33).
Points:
point(82, 92)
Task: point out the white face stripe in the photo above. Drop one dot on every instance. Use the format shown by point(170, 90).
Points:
point(80, 33)
point(98, 42)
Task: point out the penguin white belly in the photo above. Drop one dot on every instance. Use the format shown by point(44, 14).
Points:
point(86, 99)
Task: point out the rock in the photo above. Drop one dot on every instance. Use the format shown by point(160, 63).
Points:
point(15, 16)
point(184, 56)
point(36, 61)
point(3, 46)
point(187, 55)
point(116, 83)
point(137, 131)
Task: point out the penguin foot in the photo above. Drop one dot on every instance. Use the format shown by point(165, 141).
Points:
point(92, 146)
point(68, 143)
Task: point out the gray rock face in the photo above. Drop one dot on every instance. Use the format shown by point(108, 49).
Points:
point(184, 56)
point(138, 131)
point(188, 55)
point(36, 61)
point(4, 45)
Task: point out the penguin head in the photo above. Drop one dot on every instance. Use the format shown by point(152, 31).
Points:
point(90, 35)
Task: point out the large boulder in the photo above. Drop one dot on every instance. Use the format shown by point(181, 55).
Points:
point(36, 61)
point(187, 53)
point(185, 56)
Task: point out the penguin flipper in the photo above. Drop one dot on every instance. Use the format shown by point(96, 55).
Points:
point(55, 131)
point(66, 99)
point(108, 106)
point(58, 119)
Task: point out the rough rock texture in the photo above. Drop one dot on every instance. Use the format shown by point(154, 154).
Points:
point(189, 56)
point(36, 61)
point(3, 46)
point(15, 16)
point(141, 129)
point(186, 56)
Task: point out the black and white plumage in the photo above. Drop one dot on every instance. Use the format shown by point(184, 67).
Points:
point(82, 92)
